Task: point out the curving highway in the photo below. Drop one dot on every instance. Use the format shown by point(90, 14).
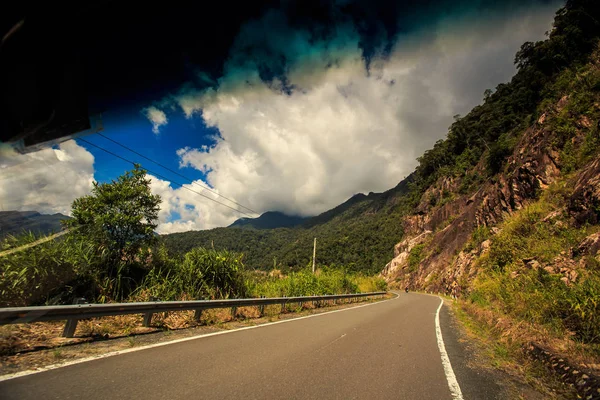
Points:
point(383, 350)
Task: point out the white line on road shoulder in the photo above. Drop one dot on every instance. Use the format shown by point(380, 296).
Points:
point(450, 377)
point(119, 352)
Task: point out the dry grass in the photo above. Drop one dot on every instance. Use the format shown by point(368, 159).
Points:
point(503, 339)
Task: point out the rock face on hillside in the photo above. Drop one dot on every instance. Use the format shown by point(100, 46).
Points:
point(584, 204)
point(532, 167)
point(402, 253)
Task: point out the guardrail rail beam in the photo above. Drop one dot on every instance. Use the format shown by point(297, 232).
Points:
point(73, 313)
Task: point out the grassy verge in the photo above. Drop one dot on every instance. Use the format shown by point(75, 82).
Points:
point(501, 342)
point(534, 286)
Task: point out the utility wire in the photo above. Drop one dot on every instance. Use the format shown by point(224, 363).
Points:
point(163, 177)
point(175, 172)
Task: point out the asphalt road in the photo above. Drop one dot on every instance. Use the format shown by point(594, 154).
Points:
point(386, 350)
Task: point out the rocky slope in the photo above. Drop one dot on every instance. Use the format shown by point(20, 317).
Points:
point(515, 235)
point(446, 230)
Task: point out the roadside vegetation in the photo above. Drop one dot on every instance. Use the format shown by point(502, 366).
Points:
point(111, 254)
point(529, 276)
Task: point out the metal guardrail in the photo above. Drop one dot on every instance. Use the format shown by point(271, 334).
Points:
point(76, 312)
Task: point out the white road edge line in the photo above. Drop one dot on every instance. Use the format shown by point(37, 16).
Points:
point(150, 346)
point(450, 377)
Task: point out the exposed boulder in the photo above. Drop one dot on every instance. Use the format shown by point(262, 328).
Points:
point(584, 203)
point(402, 254)
point(589, 246)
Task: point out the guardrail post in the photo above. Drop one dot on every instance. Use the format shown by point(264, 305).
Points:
point(148, 316)
point(197, 315)
point(147, 319)
point(233, 312)
point(71, 324)
point(283, 306)
point(261, 308)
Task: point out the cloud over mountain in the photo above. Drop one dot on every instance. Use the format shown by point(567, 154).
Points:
point(305, 120)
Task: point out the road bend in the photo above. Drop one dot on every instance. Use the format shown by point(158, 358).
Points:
point(384, 350)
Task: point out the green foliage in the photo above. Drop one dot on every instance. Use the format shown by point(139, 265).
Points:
point(58, 271)
point(52, 272)
point(525, 235)
point(470, 182)
point(415, 257)
point(202, 273)
point(119, 217)
point(479, 235)
point(499, 152)
point(542, 298)
point(325, 281)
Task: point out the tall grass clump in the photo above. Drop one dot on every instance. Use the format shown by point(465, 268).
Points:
point(325, 281)
point(51, 272)
point(200, 274)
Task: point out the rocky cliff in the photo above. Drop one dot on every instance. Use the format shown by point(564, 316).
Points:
point(439, 251)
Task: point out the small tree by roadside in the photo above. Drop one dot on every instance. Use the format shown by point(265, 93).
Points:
point(119, 218)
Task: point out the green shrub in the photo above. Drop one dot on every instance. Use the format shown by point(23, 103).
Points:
point(325, 281)
point(479, 235)
point(202, 273)
point(53, 272)
point(415, 257)
point(498, 152)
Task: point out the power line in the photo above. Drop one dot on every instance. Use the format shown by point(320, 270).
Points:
point(175, 172)
point(163, 177)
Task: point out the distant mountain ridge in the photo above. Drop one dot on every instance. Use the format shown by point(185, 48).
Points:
point(17, 222)
point(269, 220)
point(359, 234)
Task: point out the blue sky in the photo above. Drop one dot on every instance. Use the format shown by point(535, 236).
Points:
point(132, 129)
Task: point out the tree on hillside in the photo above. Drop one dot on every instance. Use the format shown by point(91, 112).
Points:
point(119, 217)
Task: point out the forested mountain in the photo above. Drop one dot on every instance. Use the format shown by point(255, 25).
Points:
point(358, 234)
point(269, 220)
point(17, 222)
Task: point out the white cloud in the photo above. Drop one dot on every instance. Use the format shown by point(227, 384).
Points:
point(156, 117)
point(46, 181)
point(195, 211)
point(343, 129)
